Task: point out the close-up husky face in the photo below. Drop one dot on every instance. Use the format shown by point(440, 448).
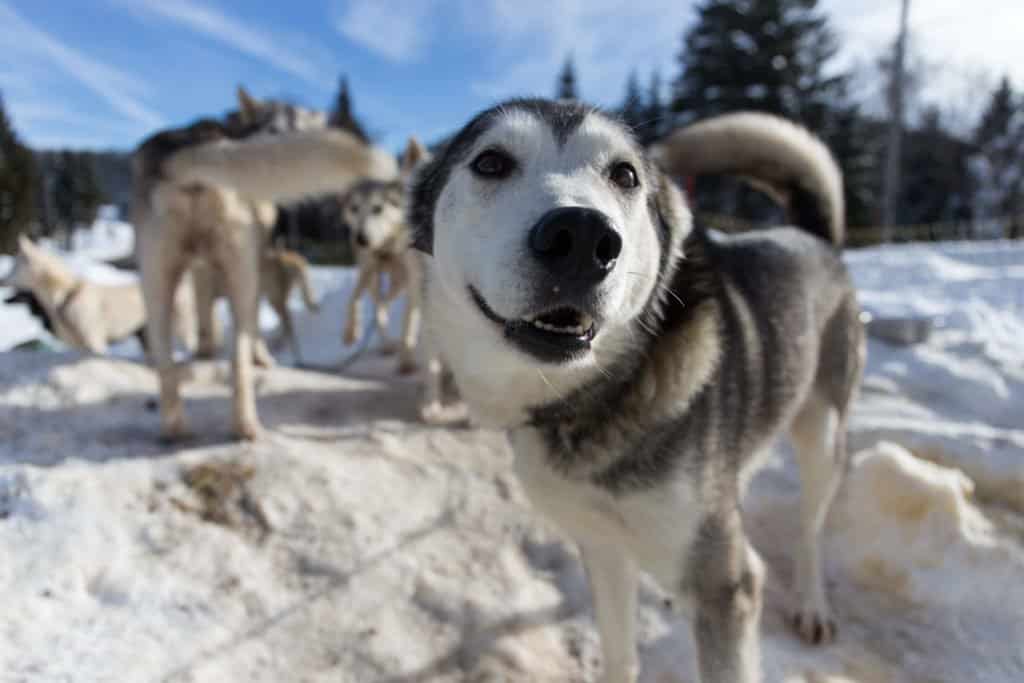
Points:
point(375, 214)
point(546, 228)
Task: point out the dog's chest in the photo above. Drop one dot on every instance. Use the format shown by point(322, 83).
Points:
point(657, 525)
point(576, 505)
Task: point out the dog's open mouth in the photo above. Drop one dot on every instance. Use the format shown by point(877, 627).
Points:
point(557, 335)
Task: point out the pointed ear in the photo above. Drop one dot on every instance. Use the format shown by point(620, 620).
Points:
point(413, 157)
point(248, 107)
point(26, 245)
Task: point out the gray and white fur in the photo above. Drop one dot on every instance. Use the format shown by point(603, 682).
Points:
point(641, 364)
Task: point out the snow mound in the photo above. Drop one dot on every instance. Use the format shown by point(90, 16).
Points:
point(957, 399)
point(905, 524)
point(364, 546)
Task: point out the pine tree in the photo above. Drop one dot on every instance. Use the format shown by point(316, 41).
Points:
point(997, 165)
point(76, 192)
point(17, 185)
point(566, 88)
point(767, 55)
point(995, 120)
point(936, 183)
point(764, 55)
point(64, 194)
point(88, 195)
point(632, 110)
point(342, 115)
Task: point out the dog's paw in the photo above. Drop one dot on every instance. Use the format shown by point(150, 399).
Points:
point(814, 625)
point(407, 366)
point(206, 352)
point(387, 347)
point(440, 415)
point(249, 430)
point(174, 431)
point(263, 359)
point(349, 335)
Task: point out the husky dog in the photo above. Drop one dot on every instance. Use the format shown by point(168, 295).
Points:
point(375, 212)
point(639, 363)
point(86, 315)
point(199, 193)
point(281, 270)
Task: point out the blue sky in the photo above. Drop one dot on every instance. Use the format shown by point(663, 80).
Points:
point(105, 73)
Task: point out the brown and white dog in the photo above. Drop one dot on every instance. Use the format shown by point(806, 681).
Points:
point(86, 315)
point(281, 270)
point(199, 192)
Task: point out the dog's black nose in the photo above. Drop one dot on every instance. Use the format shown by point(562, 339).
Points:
point(361, 239)
point(576, 242)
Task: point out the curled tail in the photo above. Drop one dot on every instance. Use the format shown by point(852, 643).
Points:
point(774, 155)
point(281, 168)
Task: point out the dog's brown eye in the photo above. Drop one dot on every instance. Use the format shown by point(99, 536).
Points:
point(492, 164)
point(377, 208)
point(624, 175)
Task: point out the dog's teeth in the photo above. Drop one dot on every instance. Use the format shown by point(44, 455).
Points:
point(577, 330)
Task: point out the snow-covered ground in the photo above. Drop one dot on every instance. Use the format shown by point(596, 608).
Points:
point(355, 544)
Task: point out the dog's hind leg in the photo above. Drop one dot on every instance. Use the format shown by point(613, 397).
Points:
point(185, 329)
point(161, 271)
point(411, 319)
point(613, 583)
point(818, 433)
point(238, 258)
point(204, 286)
point(280, 306)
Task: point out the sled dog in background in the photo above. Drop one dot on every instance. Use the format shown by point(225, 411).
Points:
point(376, 213)
point(281, 270)
point(86, 315)
point(640, 363)
point(199, 192)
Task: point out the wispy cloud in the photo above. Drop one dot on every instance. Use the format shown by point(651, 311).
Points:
point(395, 31)
point(113, 85)
point(250, 40)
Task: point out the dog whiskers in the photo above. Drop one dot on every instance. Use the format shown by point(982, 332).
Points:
point(597, 364)
point(666, 289)
point(551, 386)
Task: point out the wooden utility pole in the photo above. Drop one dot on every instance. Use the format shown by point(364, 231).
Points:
point(895, 138)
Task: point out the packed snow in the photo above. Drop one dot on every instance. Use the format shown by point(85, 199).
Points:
point(356, 544)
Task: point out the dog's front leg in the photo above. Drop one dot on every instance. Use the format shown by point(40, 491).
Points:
point(382, 307)
point(353, 320)
point(728, 577)
point(411, 320)
point(613, 584)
